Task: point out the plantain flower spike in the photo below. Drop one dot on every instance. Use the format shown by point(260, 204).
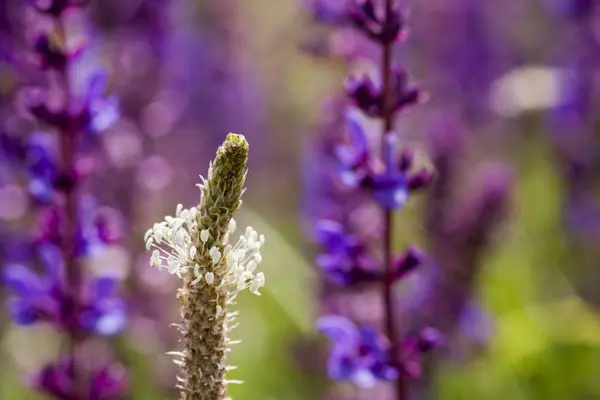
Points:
point(194, 246)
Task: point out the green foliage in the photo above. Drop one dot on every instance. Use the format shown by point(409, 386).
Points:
point(546, 343)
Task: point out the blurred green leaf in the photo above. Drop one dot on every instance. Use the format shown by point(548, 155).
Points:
point(269, 324)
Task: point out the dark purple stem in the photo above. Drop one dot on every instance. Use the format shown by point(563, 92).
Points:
point(69, 189)
point(388, 285)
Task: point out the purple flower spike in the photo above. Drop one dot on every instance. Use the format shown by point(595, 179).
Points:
point(358, 354)
point(43, 298)
point(354, 220)
point(68, 226)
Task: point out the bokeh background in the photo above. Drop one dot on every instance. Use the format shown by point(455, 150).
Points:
point(518, 79)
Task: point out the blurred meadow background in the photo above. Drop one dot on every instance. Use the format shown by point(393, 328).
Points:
point(513, 101)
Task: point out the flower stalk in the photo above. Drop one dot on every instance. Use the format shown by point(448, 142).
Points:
point(213, 271)
point(389, 281)
point(360, 257)
point(70, 193)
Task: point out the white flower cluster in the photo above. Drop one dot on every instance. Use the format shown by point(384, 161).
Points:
point(174, 248)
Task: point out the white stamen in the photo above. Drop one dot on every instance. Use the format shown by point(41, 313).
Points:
point(159, 232)
point(178, 237)
point(204, 235)
point(147, 234)
point(251, 266)
point(173, 265)
point(209, 278)
point(241, 283)
point(155, 260)
point(197, 274)
point(232, 225)
point(215, 254)
point(257, 283)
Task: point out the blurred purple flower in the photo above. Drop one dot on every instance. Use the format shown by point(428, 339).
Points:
point(345, 259)
point(383, 30)
point(415, 346)
point(104, 111)
point(108, 383)
point(571, 8)
point(358, 354)
point(331, 11)
point(42, 297)
point(51, 55)
point(461, 233)
point(390, 188)
point(96, 226)
point(573, 123)
point(58, 379)
point(54, 8)
point(37, 154)
point(103, 312)
point(369, 98)
point(354, 179)
point(70, 226)
point(353, 158)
